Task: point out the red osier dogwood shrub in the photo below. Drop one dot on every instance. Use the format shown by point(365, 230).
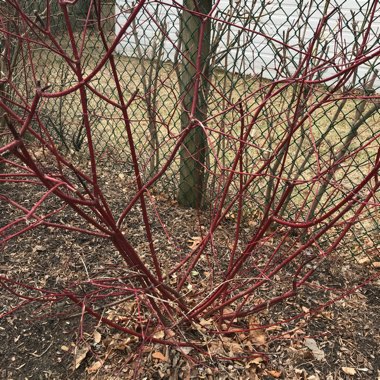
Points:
point(283, 184)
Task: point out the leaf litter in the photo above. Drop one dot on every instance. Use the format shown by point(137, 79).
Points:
point(300, 349)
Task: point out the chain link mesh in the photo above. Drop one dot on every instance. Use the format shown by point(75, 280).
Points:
point(245, 57)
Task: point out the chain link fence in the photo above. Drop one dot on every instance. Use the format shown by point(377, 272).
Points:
point(250, 49)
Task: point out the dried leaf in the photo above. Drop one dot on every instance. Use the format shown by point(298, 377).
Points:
point(159, 334)
point(122, 344)
point(234, 348)
point(259, 338)
point(274, 328)
point(327, 314)
point(185, 350)
point(215, 348)
point(195, 242)
point(95, 367)
point(205, 322)
point(257, 335)
point(349, 371)
point(363, 260)
point(97, 337)
point(305, 309)
point(39, 153)
point(80, 355)
point(227, 311)
point(311, 344)
point(275, 374)
point(169, 333)
point(230, 216)
point(256, 361)
point(158, 355)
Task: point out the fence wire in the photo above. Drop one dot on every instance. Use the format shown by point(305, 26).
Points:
point(250, 50)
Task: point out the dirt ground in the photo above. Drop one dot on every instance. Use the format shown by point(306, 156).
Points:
point(54, 341)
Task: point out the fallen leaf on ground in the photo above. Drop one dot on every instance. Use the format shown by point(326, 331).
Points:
point(159, 334)
point(349, 371)
point(234, 348)
point(275, 374)
point(95, 367)
point(185, 350)
point(169, 333)
point(97, 337)
point(216, 348)
point(256, 334)
point(305, 309)
point(256, 361)
point(158, 355)
point(80, 354)
point(311, 344)
point(228, 311)
point(363, 260)
point(205, 322)
point(273, 328)
point(195, 242)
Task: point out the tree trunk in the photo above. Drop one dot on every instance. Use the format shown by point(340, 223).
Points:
point(194, 149)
